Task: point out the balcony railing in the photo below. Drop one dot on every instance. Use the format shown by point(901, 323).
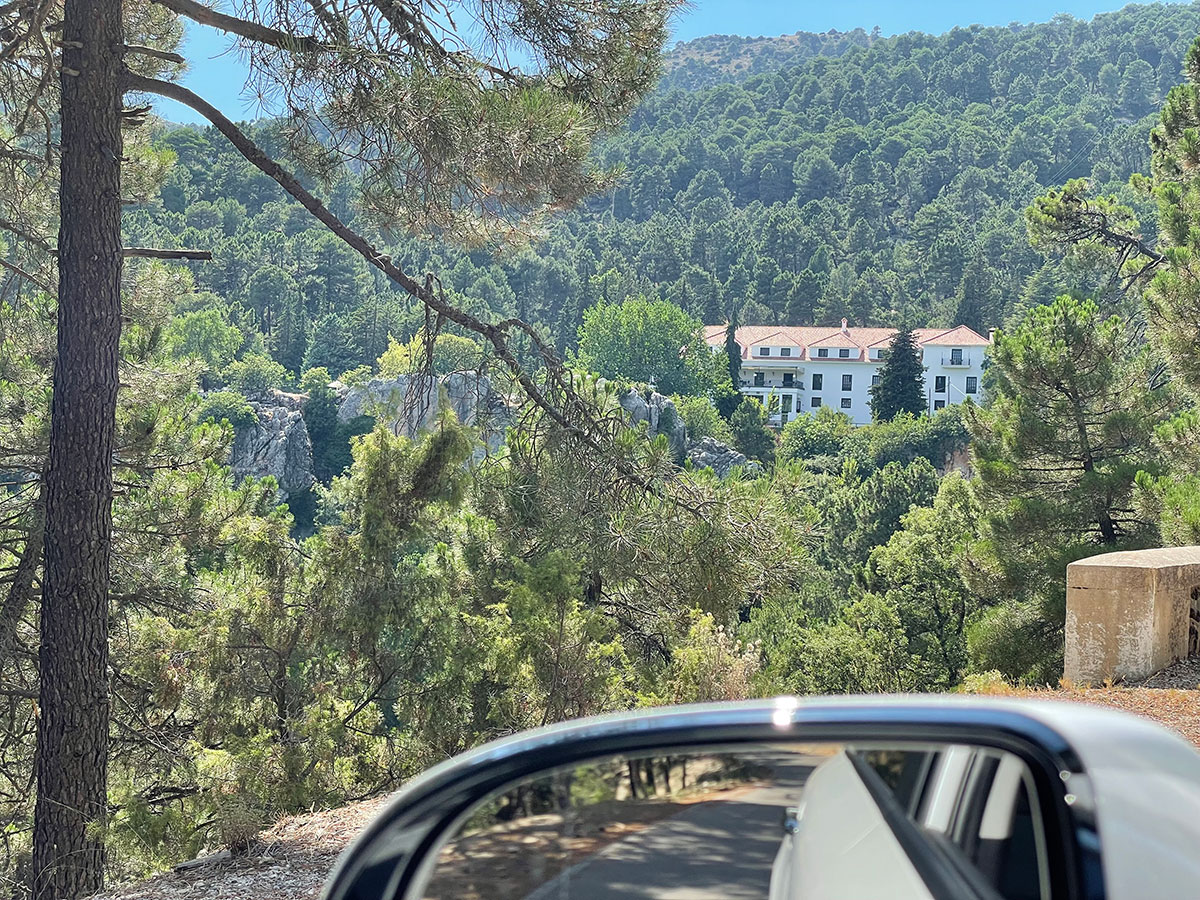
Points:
point(956, 361)
point(773, 383)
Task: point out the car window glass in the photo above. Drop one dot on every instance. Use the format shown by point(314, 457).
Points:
point(976, 805)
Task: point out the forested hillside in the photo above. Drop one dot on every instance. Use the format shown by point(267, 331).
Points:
point(425, 589)
point(876, 179)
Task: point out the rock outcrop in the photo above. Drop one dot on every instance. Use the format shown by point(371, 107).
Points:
point(412, 402)
point(662, 418)
point(277, 444)
point(709, 453)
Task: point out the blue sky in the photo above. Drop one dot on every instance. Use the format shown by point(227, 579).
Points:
point(218, 74)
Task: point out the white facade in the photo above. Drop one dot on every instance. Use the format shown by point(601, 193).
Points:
point(799, 369)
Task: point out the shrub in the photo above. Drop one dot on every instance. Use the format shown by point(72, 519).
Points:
point(226, 406)
point(750, 432)
point(702, 419)
point(811, 436)
point(255, 374)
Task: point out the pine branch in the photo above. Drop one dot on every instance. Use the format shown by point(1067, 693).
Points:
point(498, 334)
point(253, 31)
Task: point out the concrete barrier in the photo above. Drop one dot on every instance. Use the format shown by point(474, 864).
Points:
point(1131, 614)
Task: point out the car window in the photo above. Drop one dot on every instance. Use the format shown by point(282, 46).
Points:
point(977, 807)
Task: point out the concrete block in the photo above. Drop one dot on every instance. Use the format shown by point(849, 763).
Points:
point(1130, 614)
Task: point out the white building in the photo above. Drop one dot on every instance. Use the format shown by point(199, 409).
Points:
point(807, 367)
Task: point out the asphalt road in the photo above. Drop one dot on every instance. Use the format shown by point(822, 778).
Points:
point(720, 850)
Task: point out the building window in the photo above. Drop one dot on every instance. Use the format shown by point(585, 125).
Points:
point(760, 379)
point(816, 402)
point(785, 351)
point(956, 357)
point(844, 353)
point(874, 380)
point(939, 404)
point(788, 379)
point(823, 352)
point(817, 381)
point(939, 384)
point(845, 403)
point(764, 351)
point(972, 384)
point(847, 382)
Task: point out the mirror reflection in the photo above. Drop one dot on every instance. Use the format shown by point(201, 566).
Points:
point(773, 823)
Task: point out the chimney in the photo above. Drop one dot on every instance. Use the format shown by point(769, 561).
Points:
point(845, 328)
point(991, 335)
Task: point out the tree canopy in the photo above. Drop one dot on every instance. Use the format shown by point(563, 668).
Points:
point(646, 341)
point(901, 385)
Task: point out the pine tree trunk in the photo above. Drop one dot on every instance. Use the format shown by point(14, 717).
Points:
point(68, 850)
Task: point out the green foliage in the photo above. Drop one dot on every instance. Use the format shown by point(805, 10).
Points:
point(751, 436)
point(901, 385)
point(436, 605)
point(226, 406)
point(936, 438)
point(451, 353)
point(860, 515)
point(709, 664)
point(1075, 401)
point(826, 440)
point(255, 374)
point(733, 352)
point(811, 437)
point(1173, 297)
point(702, 419)
point(918, 572)
point(205, 335)
point(1074, 406)
point(862, 649)
point(331, 347)
point(1016, 639)
point(331, 440)
point(645, 342)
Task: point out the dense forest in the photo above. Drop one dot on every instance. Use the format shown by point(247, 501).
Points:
point(432, 591)
point(877, 179)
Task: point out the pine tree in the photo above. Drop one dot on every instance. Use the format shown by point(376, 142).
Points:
point(331, 347)
point(901, 386)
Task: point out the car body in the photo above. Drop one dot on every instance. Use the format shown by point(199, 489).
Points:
point(1117, 798)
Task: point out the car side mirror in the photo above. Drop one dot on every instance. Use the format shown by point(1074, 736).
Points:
point(959, 797)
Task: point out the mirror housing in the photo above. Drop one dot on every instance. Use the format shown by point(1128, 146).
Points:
point(1065, 746)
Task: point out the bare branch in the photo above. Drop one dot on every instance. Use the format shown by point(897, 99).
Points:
point(156, 253)
point(21, 273)
point(26, 235)
point(156, 53)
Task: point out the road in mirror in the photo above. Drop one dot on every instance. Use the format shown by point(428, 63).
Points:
point(780, 822)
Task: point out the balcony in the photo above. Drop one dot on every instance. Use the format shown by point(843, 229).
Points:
point(956, 361)
point(768, 383)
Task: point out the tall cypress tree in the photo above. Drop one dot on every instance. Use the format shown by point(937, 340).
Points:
point(733, 351)
point(901, 386)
